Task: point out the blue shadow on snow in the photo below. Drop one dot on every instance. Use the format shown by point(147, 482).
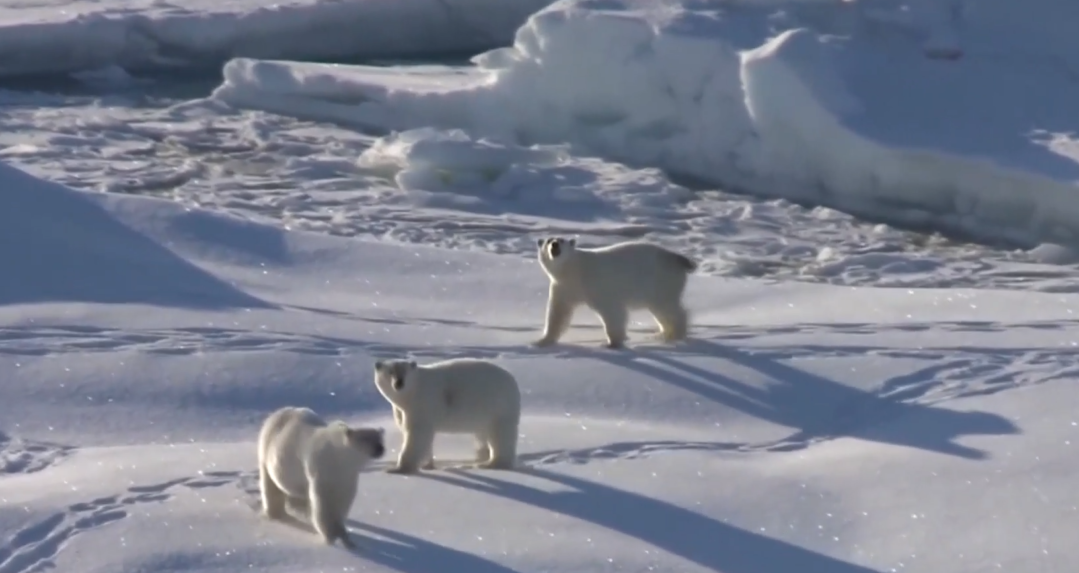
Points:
point(406, 553)
point(708, 543)
point(58, 245)
point(818, 407)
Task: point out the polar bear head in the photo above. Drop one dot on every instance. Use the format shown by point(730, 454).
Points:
point(392, 378)
point(370, 442)
point(554, 252)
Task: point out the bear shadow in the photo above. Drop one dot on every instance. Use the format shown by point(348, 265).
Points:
point(401, 551)
point(702, 540)
point(410, 554)
point(815, 406)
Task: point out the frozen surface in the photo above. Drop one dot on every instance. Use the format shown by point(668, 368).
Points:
point(449, 189)
point(805, 427)
point(920, 113)
point(98, 41)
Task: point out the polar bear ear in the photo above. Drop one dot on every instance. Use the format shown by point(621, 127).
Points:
point(412, 365)
point(573, 242)
point(379, 365)
point(540, 242)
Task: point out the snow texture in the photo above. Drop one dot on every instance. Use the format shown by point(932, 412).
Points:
point(805, 427)
point(224, 257)
point(910, 113)
point(94, 39)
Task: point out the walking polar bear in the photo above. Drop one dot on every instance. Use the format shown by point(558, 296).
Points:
point(612, 281)
point(458, 396)
point(309, 462)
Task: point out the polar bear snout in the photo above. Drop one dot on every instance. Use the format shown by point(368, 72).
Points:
point(393, 372)
point(368, 440)
point(552, 247)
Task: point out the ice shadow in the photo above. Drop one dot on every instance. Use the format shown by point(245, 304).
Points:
point(705, 541)
point(403, 552)
point(410, 554)
point(59, 245)
point(816, 406)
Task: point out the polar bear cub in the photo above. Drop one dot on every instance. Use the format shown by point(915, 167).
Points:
point(612, 281)
point(458, 396)
point(304, 459)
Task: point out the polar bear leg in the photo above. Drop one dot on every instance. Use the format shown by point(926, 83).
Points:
point(615, 318)
point(502, 439)
point(673, 320)
point(417, 449)
point(559, 314)
point(399, 419)
point(273, 499)
point(327, 519)
point(483, 451)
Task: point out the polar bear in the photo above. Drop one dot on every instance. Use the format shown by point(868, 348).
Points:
point(457, 396)
point(314, 463)
point(612, 281)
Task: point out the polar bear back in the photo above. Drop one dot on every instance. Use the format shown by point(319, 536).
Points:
point(464, 395)
point(296, 443)
point(635, 273)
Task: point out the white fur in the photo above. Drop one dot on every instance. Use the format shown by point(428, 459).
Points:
point(612, 281)
point(305, 460)
point(459, 396)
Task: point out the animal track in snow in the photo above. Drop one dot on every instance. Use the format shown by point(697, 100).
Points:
point(949, 372)
point(35, 546)
point(18, 455)
point(41, 341)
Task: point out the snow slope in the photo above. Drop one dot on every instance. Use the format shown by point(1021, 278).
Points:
point(918, 113)
point(805, 427)
point(88, 37)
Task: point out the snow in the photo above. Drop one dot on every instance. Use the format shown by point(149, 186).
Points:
point(804, 427)
point(104, 40)
point(175, 267)
point(918, 114)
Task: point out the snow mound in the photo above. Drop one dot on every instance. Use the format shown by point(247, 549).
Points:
point(61, 245)
point(427, 159)
point(150, 35)
point(449, 169)
point(904, 112)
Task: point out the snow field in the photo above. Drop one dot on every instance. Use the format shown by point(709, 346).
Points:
point(851, 105)
point(276, 253)
point(872, 423)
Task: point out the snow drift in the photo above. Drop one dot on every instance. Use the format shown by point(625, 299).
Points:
point(907, 112)
point(58, 245)
point(39, 38)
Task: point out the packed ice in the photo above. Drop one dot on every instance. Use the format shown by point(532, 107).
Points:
point(905, 113)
